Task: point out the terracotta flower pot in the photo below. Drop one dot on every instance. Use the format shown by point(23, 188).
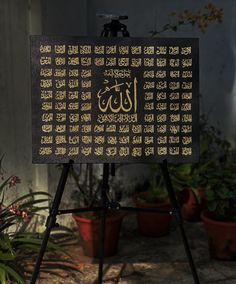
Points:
point(152, 224)
point(89, 230)
point(190, 207)
point(221, 237)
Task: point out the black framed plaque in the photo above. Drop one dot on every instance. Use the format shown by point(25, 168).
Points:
point(114, 100)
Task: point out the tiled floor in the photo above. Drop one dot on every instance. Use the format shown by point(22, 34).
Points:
point(153, 260)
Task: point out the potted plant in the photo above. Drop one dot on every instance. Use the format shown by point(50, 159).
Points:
point(87, 194)
point(18, 246)
point(220, 217)
point(189, 184)
point(154, 195)
point(189, 180)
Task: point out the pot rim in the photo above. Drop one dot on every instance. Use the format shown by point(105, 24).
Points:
point(206, 219)
point(109, 219)
point(148, 204)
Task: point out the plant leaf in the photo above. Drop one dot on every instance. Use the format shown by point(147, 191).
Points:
point(7, 257)
point(211, 205)
point(2, 276)
point(10, 271)
point(26, 196)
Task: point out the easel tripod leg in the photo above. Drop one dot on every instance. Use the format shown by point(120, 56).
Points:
point(51, 220)
point(103, 221)
point(179, 220)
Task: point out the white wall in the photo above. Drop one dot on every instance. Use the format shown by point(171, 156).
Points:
point(18, 19)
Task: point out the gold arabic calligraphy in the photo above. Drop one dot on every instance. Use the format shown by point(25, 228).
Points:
point(118, 97)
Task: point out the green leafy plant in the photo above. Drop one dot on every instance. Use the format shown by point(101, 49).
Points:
point(221, 193)
point(13, 218)
point(156, 191)
point(17, 246)
point(213, 149)
point(155, 187)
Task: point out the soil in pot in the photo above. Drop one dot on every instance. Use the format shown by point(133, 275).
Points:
point(89, 230)
point(152, 224)
point(221, 237)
